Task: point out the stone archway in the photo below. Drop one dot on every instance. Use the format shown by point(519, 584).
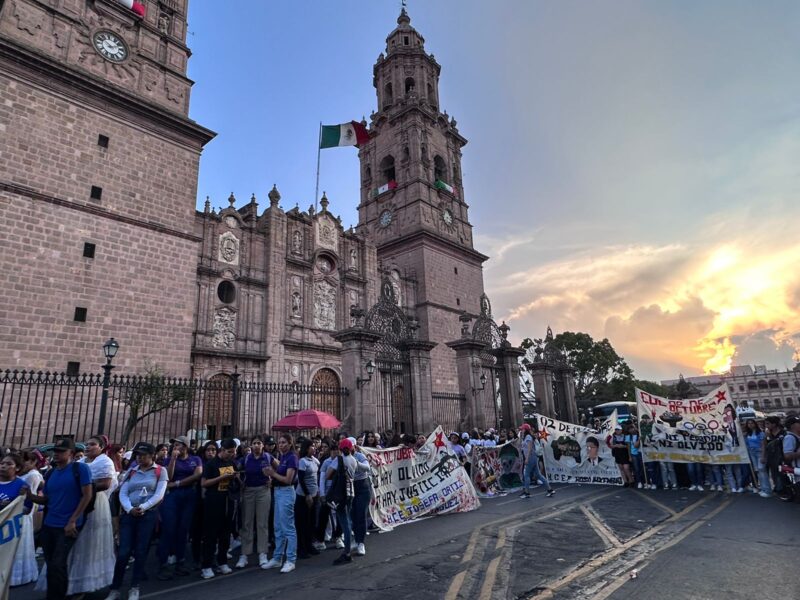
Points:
point(218, 407)
point(325, 388)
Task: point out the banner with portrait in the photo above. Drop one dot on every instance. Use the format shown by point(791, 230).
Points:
point(496, 470)
point(576, 454)
point(408, 484)
point(701, 430)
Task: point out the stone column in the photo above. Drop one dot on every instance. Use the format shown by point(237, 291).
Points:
point(542, 375)
point(569, 391)
point(360, 410)
point(469, 366)
point(419, 356)
point(510, 398)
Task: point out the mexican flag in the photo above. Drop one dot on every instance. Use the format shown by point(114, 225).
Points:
point(136, 7)
point(441, 185)
point(385, 188)
point(346, 134)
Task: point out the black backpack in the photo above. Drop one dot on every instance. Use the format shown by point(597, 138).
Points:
point(338, 492)
point(774, 451)
point(76, 474)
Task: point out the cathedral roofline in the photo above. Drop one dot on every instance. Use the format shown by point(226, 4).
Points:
point(422, 236)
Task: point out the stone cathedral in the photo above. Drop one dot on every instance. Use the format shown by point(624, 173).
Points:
point(100, 160)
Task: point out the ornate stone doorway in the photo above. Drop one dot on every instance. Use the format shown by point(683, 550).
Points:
point(218, 407)
point(325, 392)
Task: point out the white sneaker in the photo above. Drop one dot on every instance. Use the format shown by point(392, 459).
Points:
point(700, 488)
point(205, 574)
point(639, 486)
point(242, 562)
point(235, 543)
point(262, 559)
point(692, 488)
point(272, 564)
point(113, 595)
point(361, 550)
point(172, 559)
point(340, 543)
point(353, 546)
point(320, 546)
point(287, 567)
point(224, 570)
point(740, 491)
point(764, 494)
point(133, 593)
point(754, 490)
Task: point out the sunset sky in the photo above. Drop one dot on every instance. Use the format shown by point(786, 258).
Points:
point(633, 168)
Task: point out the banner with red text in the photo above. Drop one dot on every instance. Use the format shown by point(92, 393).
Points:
point(408, 484)
point(496, 470)
point(701, 430)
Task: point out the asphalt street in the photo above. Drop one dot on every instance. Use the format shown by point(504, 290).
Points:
point(587, 542)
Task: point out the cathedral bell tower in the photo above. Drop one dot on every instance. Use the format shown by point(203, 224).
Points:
point(412, 196)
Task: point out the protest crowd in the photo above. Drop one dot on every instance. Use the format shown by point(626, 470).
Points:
point(94, 512)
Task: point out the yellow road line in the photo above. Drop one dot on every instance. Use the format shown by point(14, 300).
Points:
point(601, 528)
point(488, 581)
point(663, 507)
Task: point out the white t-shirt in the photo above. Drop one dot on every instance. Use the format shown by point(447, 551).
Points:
point(102, 467)
point(33, 479)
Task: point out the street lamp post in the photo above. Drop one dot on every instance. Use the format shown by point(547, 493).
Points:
point(110, 349)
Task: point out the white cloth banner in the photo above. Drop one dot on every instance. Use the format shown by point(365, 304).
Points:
point(576, 454)
point(10, 536)
point(702, 430)
point(409, 484)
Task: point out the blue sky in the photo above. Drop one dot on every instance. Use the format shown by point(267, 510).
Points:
point(632, 166)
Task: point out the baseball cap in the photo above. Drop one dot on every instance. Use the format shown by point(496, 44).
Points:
point(181, 439)
point(144, 448)
point(465, 436)
point(345, 444)
point(453, 433)
point(352, 440)
point(790, 421)
point(269, 440)
point(525, 427)
point(64, 445)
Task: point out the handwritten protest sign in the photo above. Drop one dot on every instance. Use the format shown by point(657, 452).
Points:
point(576, 454)
point(496, 470)
point(703, 430)
point(409, 484)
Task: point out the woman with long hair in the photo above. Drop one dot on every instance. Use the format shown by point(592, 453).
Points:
point(219, 475)
point(755, 440)
point(370, 440)
point(207, 452)
point(25, 569)
point(282, 472)
point(305, 506)
point(256, 502)
point(344, 470)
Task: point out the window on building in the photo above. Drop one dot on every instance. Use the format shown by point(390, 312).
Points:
point(368, 173)
point(458, 301)
point(409, 85)
point(773, 383)
point(96, 193)
point(741, 388)
point(80, 314)
point(439, 168)
point(387, 169)
point(751, 385)
point(73, 369)
point(455, 270)
point(767, 403)
point(762, 385)
point(226, 292)
point(88, 250)
point(388, 96)
point(786, 384)
point(778, 403)
point(102, 141)
point(406, 40)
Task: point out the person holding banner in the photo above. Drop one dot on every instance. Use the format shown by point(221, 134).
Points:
point(12, 487)
point(531, 460)
point(25, 569)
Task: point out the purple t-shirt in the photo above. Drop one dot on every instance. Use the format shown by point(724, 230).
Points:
point(253, 469)
point(184, 467)
point(286, 462)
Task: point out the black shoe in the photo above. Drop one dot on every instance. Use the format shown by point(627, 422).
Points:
point(164, 573)
point(182, 570)
point(344, 558)
point(550, 493)
point(525, 495)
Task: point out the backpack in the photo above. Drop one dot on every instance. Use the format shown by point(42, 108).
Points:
point(796, 444)
point(342, 486)
point(76, 473)
point(774, 451)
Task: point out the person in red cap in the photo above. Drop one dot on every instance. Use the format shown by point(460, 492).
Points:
point(531, 459)
point(341, 494)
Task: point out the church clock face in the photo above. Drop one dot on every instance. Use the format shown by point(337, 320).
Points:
point(385, 219)
point(447, 217)
point(110, 46)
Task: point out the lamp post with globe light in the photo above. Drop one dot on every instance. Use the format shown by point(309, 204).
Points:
point(110, 349)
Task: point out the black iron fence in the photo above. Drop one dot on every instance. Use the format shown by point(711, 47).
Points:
point(447, 410)
point(38, 408)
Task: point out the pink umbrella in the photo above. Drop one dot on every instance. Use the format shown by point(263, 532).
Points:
point(308, 419)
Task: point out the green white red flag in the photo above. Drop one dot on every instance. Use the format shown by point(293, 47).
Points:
point(441, 185)
point(346, 134)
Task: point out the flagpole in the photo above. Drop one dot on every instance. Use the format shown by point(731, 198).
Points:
point(319, 143)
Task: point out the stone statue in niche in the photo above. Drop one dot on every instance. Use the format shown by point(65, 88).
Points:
point(395, 279)
point(324, 305)
point(324, 265)
point(297, 242)
point(296, 305)
point(353, 259)
point(224, 328)
point(229, 248)
point(163, 23)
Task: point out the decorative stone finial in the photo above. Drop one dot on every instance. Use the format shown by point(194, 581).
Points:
point(324, 202)
point(232, 199)
point(311, 210)
point(253, 198)
point(207, 208)
point(403, 19)
point(274, 195)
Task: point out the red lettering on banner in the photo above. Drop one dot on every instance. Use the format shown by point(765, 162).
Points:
point(653, 400)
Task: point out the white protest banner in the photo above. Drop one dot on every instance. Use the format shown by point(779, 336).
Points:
point(409, 484)
point(703, 430)
point(576, 454)
point(10, 534)
point(496, 470)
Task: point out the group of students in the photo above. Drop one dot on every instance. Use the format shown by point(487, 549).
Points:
point(773, 447)
point(95, 515)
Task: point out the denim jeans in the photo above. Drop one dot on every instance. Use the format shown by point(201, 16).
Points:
point(668, 474)
point(638, 470)
point(343, 515)
point(358, 514)
point(695, 473)
point(56, 546)
point(532, 471)
point(135, 534)
point(176, 511)
point(761, 469)
point(653, 473)
point(285, 532)
point(716, 475)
